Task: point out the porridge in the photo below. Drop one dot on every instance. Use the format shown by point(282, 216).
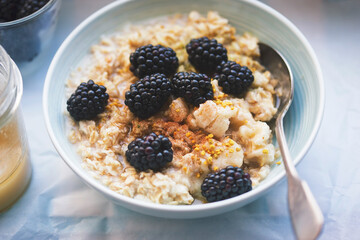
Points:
point(161, 124)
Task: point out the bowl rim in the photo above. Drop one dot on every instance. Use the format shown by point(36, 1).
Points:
point(34, 15)
point(181, 208)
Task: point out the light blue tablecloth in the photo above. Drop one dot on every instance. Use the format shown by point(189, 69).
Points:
point(57, 205)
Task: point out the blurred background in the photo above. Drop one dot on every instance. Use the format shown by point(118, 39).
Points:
point(331, 166)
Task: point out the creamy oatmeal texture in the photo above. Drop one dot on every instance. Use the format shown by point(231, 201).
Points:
point(220, 132)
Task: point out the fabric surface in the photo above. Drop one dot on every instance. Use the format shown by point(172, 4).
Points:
point(58, 205)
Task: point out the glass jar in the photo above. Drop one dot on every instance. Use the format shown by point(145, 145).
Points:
point(24, 38)
point(15, 168)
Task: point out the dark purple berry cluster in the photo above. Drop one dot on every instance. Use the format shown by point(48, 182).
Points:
point(150, 152)
point(148, 95)
point(206, 54)
point(150, 59)
point(11, 10)
point(235, 79)
point(226, 183)
point(195, 88)
point(87, 101)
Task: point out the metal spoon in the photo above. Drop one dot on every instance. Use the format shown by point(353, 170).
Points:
point(306, 216)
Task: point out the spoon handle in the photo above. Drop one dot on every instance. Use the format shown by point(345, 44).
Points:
point(306, 216)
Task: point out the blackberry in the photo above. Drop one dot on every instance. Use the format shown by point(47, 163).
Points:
point(150, 59)
point(233, 78)
point(206, 54)
point(147, 96)
point(195, 88)
point(11, 10)
point(150, 152)
point(226, 183)
point(87, 101)
point(8, 9)
point(29, 7)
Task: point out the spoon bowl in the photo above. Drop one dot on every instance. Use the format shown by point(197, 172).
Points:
point(280, 69)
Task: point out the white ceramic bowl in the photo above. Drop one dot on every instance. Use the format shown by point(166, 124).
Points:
point(301, 123)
